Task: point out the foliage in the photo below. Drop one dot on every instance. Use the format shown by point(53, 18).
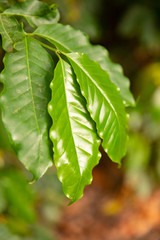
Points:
point(140, 22)
point(16, 192)
point(22, 205)
point(88, 95)
point(143, 156)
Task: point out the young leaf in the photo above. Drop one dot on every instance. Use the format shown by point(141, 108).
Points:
point(8, 27)
point(35, 12)
point(73, 133)
point(104, 104)
point(69, 40)
point(24, 103)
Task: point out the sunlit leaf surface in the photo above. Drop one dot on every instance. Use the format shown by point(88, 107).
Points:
point(104, 104)
point(73, 133)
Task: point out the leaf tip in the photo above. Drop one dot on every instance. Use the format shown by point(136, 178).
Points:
point(119, 164)
point(32, 181)
point(74, 199)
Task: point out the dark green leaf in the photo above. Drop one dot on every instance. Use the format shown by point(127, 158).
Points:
point(104, 104)
point(68, 40)
point(26, 77)
point(73, 133)
point(11, 32)
point(35, 12)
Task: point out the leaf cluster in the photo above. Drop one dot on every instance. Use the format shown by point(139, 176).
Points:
point(84, 106)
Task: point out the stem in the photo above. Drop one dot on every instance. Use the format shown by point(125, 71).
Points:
point(43, 44)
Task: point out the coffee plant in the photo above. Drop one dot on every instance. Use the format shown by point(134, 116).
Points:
point(62, 96)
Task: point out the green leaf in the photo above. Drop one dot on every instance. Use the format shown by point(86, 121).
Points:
point(8, 27)
point(4, 140)
point(35, 12)
point(73, 133)
point(104, 104)
point(18, 195)
point(24, 101)
point(68, 40)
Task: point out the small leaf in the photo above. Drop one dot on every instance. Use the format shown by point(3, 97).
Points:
point(73, 133)
point(8, 27)
point(27, 74)
point(67, 39)
point(35, 12)
point(104, 104)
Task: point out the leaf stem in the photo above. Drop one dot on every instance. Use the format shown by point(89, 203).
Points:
point(43, 44)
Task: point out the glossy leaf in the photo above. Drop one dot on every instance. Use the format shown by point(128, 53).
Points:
point(67, 39)
point(24, 100)
point(104, 104)
point(73, 133)
point(35, 12)
point(8, 27)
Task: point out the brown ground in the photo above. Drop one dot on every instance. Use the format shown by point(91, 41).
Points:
point(110, 213)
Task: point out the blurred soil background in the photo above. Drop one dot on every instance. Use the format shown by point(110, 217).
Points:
point(121, 203)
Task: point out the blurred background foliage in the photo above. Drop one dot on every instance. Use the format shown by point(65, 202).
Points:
point(130, 30)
